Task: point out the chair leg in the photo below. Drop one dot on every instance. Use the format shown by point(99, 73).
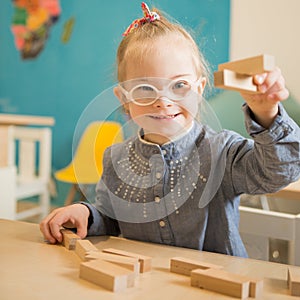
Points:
point(71, 195)
point(45, 203)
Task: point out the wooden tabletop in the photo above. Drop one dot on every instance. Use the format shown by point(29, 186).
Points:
point(292, 191)
point(12, 119)
point(31, 269)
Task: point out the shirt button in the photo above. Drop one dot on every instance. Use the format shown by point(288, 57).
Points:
point(157, 199)
point(164, 152)
point(158, 175)
point(162, 224)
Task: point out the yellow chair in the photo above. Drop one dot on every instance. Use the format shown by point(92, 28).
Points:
point(86, 166)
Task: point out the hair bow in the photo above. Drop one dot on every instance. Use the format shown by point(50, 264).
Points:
point(149, 16)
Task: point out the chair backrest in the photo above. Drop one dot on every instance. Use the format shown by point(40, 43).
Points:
point(87, 161)
point(30, 152)
point(259, 223)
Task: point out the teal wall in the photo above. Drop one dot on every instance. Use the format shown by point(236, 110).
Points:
point(227, 106)
point(64, 78)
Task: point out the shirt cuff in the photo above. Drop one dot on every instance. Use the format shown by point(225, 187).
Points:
point(279, 129)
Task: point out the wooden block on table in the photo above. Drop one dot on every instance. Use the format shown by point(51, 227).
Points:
point(184, 266)
point(221, 282)
point(130, 263)
point(69, 239)
point(107, 275)
point(230, 80)
point(256, 287)
point(145, 261)
point(83, 247)
point(250, 66)
point(294, 280)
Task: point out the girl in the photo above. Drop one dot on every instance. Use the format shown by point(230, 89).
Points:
point(178, 182)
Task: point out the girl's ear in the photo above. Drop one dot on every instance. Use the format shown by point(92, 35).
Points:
point(202, 85)
point(118, 93)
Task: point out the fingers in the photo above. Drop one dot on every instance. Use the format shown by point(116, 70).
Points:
point(279, 95)
point(272, 85)
point(49, 229)
point(82, 230)
point(83, 224)
point(75, 215)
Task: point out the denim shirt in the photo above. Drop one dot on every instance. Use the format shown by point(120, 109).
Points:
point(186, 193)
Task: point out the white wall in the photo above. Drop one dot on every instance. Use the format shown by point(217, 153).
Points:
point(271, 27)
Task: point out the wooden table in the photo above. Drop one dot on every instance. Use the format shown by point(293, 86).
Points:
point(292, 191)
point(31, 269)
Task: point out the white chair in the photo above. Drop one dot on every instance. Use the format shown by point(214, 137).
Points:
point(257, 226)
point(28, 170)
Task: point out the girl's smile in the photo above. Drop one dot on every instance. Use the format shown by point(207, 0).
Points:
point(164, 117)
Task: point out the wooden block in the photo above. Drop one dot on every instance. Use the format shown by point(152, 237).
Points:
point(184, 266)
point(256, 287)
point(230, 80)
point(145, 261)
point(221, 282)
point(69, 239)
point(294, 280)
point(130, 263)
point(250, 66)
point(107, 275)
point(83, 247)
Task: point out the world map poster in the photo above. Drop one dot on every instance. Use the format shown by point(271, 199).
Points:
point(31, 24)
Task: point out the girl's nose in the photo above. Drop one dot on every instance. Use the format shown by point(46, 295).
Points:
point(163, 102)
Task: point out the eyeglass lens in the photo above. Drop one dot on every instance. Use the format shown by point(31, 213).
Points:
point(144, 93)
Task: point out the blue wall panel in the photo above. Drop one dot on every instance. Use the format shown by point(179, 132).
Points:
point(64, 78)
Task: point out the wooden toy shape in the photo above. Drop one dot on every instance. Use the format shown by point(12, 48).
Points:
point(237, 75)
point(106, 275)
point(250, 66)
point(69, 239)
point(145, 261)
point(230, 80)
point(184, 266)
point(130, 263)
point(256, 287)
point(83, 247)
point(294, 281)
point(227, 283)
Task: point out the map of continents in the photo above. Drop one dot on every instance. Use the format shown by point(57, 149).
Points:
point(31, 23)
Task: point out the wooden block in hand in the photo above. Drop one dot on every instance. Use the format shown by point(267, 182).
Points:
point(294, 280)
point(83, 247)
point(230, 80)
point(69, 239)
point(184, 266)
point(145, 261)
point(250, 66)
point(106, 275)
point(130, 263)
point(221, 282)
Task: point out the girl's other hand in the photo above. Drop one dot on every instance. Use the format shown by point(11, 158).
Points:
point(72, 216)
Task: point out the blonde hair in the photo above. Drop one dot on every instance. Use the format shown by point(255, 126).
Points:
point(138, 42)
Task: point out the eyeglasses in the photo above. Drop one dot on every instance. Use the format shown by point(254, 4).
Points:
point(146, 94)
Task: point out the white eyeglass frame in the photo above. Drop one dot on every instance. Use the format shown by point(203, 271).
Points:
point(159, 93)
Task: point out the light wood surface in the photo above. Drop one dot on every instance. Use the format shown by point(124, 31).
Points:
point(12, 119)
point(230, 80)
point(292, 192)
point(31, 269)
point(238, 75)
point(251, 65)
